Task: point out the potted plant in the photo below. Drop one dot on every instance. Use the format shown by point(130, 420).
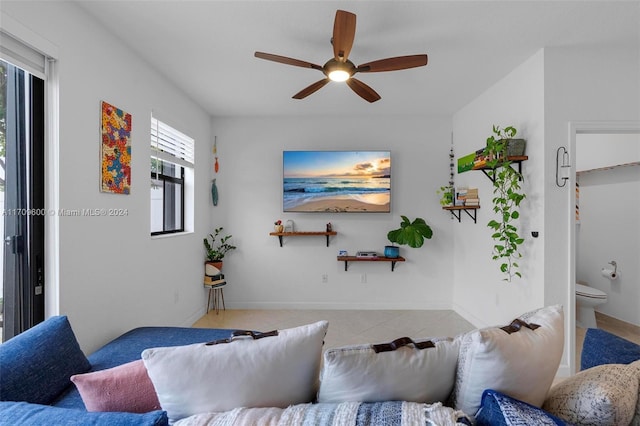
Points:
point(446, 195)
point(410, 233)
point(507, 196)
point(509, 146)
point(216, 249)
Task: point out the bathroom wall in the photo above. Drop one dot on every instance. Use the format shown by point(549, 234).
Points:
point(609, 227)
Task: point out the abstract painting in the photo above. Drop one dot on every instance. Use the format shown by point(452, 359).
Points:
point(115, 150)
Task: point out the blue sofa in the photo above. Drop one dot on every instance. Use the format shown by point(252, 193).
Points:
point(36, 365)
point(35, 368)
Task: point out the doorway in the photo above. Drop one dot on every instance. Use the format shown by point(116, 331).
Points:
point(585, 134)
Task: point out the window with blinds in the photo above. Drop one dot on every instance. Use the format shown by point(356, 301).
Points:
point(171, 153)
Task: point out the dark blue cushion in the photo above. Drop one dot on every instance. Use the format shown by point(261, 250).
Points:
point(601, 347)
point(25, 414)
point(130, 345)
point(35, 366)
point(498, 409)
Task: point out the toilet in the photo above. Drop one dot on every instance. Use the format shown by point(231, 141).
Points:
point(587, 298)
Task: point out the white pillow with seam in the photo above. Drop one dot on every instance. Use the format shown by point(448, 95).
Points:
point(358, 373)
point(275, 371)
point(522, 364)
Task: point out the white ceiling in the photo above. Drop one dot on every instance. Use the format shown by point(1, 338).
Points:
point(206, 47)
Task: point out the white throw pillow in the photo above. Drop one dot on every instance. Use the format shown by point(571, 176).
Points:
point(605, 395)
point(275, 371)
point(522, 364)
point(358, 373)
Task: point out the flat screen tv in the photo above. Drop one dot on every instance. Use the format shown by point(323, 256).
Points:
point(337, 181)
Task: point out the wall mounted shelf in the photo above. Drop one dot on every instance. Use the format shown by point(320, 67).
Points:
point(517, 160)
point(302, 234)
point(455, 211)
point(393, 260)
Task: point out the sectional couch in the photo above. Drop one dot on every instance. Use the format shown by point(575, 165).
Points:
point(190, 376)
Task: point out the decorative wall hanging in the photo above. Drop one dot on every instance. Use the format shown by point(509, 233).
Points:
point(216, 167)
point(115, 150)
point(214, 192)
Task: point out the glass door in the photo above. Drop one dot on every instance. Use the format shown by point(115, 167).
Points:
point(21, 199)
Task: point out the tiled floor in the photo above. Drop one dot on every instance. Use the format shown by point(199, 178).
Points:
point(346, 327)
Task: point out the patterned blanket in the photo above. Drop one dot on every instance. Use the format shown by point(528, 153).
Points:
point(388, 413)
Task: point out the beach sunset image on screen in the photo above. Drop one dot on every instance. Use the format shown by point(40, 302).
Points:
point(337, 181)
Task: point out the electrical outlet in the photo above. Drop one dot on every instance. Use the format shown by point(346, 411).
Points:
point(325, 278)
point(363, 278)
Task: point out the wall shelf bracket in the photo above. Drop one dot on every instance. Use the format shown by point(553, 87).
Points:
point(456, 212)
point(513, 161)
point(302, 234)
point(393, 260)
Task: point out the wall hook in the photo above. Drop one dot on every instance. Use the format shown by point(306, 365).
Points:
point(562, 166)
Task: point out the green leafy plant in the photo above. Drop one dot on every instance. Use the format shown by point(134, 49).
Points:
point(216, 251)
point(507, 196)
point(410, 233)
point(446, 195)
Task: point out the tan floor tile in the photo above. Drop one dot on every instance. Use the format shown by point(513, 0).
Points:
point(352, 327)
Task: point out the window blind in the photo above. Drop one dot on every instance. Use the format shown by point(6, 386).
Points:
point(17, 53)
point(170, 145)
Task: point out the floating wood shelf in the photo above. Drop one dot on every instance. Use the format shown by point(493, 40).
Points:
point(302, 234)
point(455, 211)
point(393, 260)
point(516, 159)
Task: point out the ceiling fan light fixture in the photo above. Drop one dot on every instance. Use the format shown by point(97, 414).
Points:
point(340, 68)
point(339, 75)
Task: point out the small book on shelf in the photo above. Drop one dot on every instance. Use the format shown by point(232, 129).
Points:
point(211, 282)
point(215, 277)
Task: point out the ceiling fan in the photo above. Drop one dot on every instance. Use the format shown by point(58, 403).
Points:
point(340, 68)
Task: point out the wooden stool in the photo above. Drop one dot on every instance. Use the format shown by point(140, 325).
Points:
point(216, 292)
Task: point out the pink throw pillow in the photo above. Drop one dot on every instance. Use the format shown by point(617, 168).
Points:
point(126, 387)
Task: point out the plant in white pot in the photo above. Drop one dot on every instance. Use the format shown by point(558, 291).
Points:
point(217, 248)
point(410, 233)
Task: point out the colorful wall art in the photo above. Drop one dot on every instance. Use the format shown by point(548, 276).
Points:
point(116, 150)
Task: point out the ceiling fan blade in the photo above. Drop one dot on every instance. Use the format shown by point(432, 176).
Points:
point(311, 89)
point(344, 31)
point(393, 64)
point(364, 91)
point(286, 60)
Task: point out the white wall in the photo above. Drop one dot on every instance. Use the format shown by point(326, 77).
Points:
point(574, 84)
point(581, 85)
point(158, 281)
point(480, 294)
point(263, 275)
point(113, 276)
point(594, 151)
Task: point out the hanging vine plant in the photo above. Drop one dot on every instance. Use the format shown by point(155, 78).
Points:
point(507, 196)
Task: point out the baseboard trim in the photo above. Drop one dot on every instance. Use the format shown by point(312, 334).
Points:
point(564, 371)
point(340, 306)
point(191, 319)
point(476, 321)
